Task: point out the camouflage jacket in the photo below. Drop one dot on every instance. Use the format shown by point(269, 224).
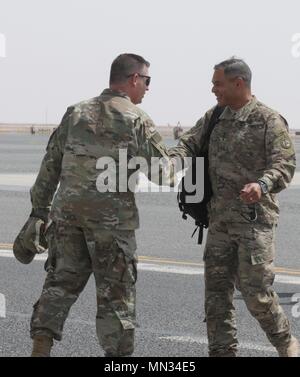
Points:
point(245, 146)
point(89, 131)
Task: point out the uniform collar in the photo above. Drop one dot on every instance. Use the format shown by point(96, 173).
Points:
point(241, 114)
point(112, 93)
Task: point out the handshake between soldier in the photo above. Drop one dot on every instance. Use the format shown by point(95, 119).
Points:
point(250, 158)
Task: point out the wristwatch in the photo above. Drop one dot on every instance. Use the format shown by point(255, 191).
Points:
point(263, 186)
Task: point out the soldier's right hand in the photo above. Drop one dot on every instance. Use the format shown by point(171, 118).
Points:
point(31, 240)
point(251, 193)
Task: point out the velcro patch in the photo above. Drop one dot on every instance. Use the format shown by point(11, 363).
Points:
point(286, 143)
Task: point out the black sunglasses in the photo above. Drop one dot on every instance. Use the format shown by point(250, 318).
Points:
point(148, 78)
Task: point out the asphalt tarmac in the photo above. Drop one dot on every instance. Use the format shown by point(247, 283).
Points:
point(170, 284)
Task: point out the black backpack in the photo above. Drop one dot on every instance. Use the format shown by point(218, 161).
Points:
point(198, 211)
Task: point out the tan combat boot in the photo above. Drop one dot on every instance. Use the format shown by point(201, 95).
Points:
point(41, 346)
point(290, 350)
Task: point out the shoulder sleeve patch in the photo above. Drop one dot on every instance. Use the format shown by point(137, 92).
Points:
point(285, 143)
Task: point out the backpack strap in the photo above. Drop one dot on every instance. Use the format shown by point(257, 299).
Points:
point(203, 153)
point(218, 110)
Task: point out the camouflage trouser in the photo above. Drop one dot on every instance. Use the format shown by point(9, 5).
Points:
point(241, 256)
point(75, 253)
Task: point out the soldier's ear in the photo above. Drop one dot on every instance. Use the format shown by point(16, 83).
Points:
point(134, 79)
point(239, 82)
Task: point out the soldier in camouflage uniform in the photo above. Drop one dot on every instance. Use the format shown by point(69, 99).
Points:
point(251, 158)
point(91, 231)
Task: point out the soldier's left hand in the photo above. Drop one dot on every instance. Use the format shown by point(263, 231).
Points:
point(251, 193)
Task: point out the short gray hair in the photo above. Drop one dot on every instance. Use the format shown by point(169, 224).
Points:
point(125, 65)
point(235, 67)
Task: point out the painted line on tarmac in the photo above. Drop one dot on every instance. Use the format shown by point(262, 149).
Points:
point(7, 253)
point(168, 261)
point(175, 267)
point(283, 270)
point(181, 270)
point(25, 181)
point(203, 340)
point(184, 270)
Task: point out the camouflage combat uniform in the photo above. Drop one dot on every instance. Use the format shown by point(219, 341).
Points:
point(245, 146)
point(92, 232)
